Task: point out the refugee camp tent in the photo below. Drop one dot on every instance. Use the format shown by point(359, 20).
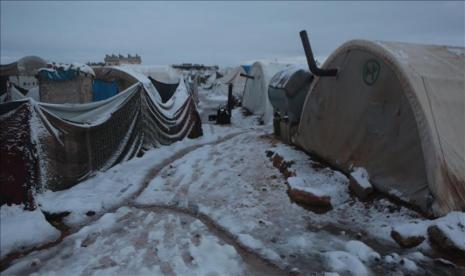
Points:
point(397, 110)
point(255, 97)
point(54, 146)
point(163, 77)
point(66, 83)
point(246, 68)
point(22, 72)
point(233, 76)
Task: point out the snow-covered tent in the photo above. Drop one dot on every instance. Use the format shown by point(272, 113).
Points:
point(57, 145)
point(22, 72)
point(255, 97)
point(65, 83)
point(165, 78)
point(397, 110)
point(233, 76)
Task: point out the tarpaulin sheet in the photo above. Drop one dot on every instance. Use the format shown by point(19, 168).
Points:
point(102, 90)
point(68, 142)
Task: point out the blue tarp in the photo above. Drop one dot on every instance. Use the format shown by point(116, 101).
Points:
point(247, 68)
point(60, 75)
point(103, 90)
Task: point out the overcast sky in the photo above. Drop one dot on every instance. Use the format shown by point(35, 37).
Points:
point(224, 33)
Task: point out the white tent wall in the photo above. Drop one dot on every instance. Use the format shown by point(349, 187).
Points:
point(407, 128)
point(162, 73)
point(233, 76)
point(255, 97)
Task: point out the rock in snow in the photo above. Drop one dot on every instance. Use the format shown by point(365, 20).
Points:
point(407, 241)
point(360, 184)
point(448, 232)
point(306, 195)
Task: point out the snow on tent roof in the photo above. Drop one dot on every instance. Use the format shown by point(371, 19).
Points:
point(161, 73)
point(64, 71)
point(75, 140)
point(28, 65)
point(395, 109)
point(232, 74)
point(256, 90)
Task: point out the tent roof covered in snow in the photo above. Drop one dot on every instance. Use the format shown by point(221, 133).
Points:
point(256, 90)
point(75, 140)
point(28, 65)
point(65, 71)
point(232, 74)
point(396, 109)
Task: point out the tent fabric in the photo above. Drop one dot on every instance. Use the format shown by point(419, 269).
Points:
point(162, 73)
point(28, 65)
point(102, 90)
point(396, 109)
point(75, 140)
point(233, 77)
point(166, 90)
point(255, 97)
point(246, 68)
point(63, 72)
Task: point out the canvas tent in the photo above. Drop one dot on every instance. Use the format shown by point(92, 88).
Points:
point(397, 110)
point(233, 76)
point(55, 146)
point(163, 77)
point(21, 72)
point(65, 83)
point(255, 97)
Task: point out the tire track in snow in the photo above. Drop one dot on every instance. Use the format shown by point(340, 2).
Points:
point(6, 262)
point(255, 264)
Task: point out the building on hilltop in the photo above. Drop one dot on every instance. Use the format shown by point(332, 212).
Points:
point(120, 59)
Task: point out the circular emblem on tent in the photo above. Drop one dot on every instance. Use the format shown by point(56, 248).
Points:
point(371, 71)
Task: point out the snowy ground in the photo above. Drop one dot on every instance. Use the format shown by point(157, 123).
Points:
point(218, 206)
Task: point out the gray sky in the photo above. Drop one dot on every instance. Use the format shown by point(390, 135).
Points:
point(222, 33)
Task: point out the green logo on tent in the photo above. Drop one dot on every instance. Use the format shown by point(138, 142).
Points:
point(371, 71)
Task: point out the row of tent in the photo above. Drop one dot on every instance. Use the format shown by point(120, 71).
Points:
point(54, 146)
point(395, 109)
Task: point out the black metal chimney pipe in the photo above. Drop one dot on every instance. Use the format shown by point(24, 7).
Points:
point(311, 59)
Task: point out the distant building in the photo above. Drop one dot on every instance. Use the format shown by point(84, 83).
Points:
point(190, 66)
point(120, 59)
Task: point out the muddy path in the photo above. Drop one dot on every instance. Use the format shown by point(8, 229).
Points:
point(66, 231)
point(255, 264)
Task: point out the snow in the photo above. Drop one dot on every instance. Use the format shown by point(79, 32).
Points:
point(169, 211)
point(301, 184)
point(21, 229)
point(109, 189)
point(84, 68)
point(361, 176)
point(320, 182)
point(453, 226)
point(281, 78)
point(409, 265)
point(412, 228)
point(343, 262)
point(362, 251)
point(131, 241)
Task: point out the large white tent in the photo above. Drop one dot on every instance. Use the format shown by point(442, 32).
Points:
point(397, 110)
point(255, 97)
